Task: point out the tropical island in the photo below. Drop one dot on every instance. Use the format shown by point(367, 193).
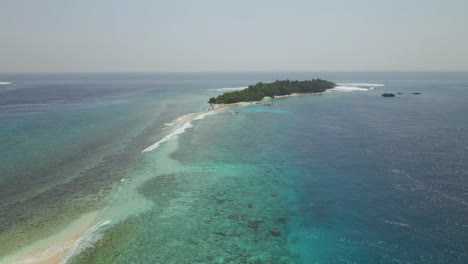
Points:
point(278, 88)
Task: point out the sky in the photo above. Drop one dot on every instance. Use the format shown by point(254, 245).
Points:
point(241, 35)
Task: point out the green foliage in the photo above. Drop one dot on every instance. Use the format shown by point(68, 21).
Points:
point(260, 90)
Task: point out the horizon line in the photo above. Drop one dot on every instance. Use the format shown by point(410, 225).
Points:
point(239, 71)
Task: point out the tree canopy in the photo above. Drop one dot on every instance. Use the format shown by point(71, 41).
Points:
point(260, 90)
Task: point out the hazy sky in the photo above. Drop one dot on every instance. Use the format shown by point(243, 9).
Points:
point(217, 35)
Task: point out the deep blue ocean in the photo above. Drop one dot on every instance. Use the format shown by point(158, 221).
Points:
point(347, 176)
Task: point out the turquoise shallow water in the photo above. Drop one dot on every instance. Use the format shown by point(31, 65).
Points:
point(343, 177)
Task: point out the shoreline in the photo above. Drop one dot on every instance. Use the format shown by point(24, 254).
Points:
point(182, 123)
point(58, 247)
point(55, 248)
point(223, 106)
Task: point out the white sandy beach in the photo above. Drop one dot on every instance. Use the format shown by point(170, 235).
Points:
point(57, 248)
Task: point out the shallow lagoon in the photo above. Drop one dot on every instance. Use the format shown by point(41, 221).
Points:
point(336, 178)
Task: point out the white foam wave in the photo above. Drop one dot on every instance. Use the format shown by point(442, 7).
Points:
point(200, 117)
point(395, 223)
point(228, 89)
point(169, 124)
point(353, 87)
point(85, 241)
point(361, 84)
point(342, 88)
point(179, 130)
point(5, 83)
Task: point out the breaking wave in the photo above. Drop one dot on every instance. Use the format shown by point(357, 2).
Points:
point(395, 223)
point(353, 87)
point(87, 240)
point(342, 88)
point(200, 117)
point(362, 84)
point(178, 131)
point(229, 89)
point(181, 129)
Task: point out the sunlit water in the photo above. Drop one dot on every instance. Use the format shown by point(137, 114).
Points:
point(343, 177)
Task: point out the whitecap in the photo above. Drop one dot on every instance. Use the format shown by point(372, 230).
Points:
point(353, 87)
point(395, 223)
point(200, 117)
point(179, 130)
point(361, 84)
point(228, 89)
point(87, 240)
point(5, 83)
point(342, 88)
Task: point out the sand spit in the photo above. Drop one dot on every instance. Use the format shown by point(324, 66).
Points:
point(59, 247)
point(223, 106)
point(184, 122)
point(54, 249)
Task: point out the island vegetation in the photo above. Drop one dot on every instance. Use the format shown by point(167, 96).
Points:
point(278, 88)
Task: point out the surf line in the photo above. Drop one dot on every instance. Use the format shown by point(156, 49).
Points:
point(84, 241)
point(181, 125)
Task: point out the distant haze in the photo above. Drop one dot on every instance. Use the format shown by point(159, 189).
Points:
point(214, 35)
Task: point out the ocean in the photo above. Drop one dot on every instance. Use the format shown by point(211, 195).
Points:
point(111, 168)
